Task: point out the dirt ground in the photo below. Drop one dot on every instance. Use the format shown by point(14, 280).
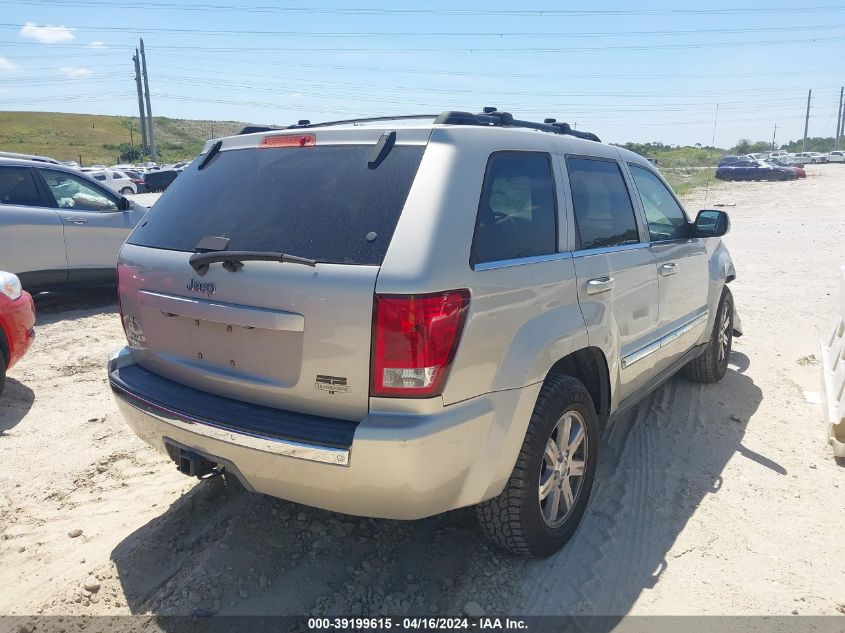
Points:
point(719, 499)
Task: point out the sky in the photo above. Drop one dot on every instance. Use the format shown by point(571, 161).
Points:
point(674, 72)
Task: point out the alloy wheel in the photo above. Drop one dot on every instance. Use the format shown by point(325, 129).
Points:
point(724, 333)
point(562, 471)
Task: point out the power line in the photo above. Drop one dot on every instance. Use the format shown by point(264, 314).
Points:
point(424, 34)
point(471, 50)
point(367, 11)
point(450, 73)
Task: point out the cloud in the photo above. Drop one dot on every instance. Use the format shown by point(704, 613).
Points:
point(96, 44)
point(6, 65)
point(47, 34)
point(75, 73)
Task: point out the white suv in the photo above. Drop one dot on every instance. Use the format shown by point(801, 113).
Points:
point(116, 180)
point(397, 320)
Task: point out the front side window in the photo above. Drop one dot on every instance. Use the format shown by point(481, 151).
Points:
point(604, 215)
point(666, 218)
point(75, 193)
point(517, 214)
point(18, 187)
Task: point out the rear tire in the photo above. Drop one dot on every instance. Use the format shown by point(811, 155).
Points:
point(548, 490)
point(712, 365)
point(126, 191)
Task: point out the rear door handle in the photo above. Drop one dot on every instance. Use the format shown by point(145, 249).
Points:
point(77, 220)
point(668, 269)
point(599, 285)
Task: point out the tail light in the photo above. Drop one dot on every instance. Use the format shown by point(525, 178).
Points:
point(414, 342)
point(131, 328)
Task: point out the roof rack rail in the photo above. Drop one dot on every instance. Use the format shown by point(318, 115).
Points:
point(402, 117)
point(492, 117)
point(489, 117)
point(252, 129)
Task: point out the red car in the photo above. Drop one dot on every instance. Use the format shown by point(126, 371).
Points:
point(800, 171)
point(17, 318)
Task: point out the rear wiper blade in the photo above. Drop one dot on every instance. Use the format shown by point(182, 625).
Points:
point(234, 260)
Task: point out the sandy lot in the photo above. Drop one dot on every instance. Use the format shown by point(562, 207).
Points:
point(710, 499)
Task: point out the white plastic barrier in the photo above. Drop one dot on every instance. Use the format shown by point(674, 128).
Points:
point(833, 376)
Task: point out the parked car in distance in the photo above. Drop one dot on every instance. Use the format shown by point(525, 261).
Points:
point(754, 170)
point(727, 160)
point(70, 163)
point(436, 335)
point(756, 156)
point(788, 160)
point(836, 157)
point(159, 180)
point(59, 226)
point(781, 161)
point(116, 181)
point(137, 177)
point(17, 322)
point(778, 153)
point(811, 157)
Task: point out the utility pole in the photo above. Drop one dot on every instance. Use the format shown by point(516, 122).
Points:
point(152, 132)
point(806, 120)
point(839, 119)
point(842, 126)
point(774, 135)
point(715, 120)
point(144, 148)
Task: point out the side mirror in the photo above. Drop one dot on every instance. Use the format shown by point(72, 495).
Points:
point(124, 204)
point(711, 223)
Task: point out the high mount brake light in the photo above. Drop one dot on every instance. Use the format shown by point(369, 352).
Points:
point(288, 140)
point(414, 342)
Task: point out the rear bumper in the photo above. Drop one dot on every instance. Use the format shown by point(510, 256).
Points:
point(397, 465)
point(17, 319)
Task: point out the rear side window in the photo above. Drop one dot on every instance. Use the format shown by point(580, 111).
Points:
point(517, 214)
point(322, 202)
point(604, 215)
point(18, 187)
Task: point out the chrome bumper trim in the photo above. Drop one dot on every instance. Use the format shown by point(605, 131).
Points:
point(287, 448)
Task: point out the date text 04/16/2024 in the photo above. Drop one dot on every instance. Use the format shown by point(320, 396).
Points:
point(417, 623)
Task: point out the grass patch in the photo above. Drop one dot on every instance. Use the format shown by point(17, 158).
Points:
point(683, 181)
point(95, 138)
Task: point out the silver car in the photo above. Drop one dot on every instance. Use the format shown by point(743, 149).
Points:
point(59, 226)
point(395, 320)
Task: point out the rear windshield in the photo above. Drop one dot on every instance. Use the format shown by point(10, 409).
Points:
point(324, 203)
